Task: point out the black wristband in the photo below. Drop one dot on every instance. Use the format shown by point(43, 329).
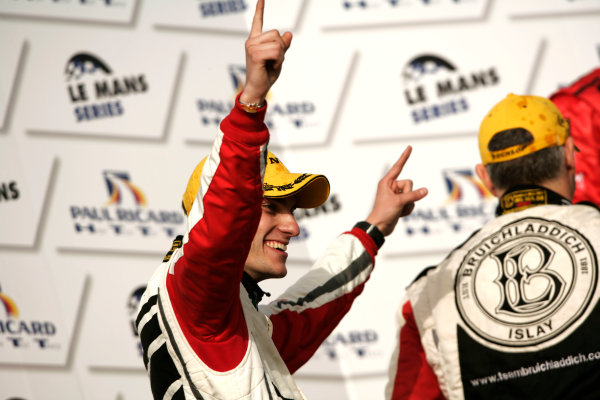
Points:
point(372, 231)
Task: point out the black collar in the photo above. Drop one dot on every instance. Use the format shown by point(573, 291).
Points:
point(254, 291)
point(521, 197)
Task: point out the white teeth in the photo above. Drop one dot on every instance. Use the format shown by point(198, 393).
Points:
point(277, 245)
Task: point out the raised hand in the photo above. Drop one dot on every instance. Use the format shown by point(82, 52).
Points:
point(265, 52)
point(395, 198)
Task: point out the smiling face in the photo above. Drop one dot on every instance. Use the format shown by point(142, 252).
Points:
point(277, 226)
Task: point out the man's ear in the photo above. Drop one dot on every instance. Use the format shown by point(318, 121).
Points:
point(485, 178)
point(570, 154)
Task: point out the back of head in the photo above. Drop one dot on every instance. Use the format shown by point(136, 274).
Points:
point(521, 141)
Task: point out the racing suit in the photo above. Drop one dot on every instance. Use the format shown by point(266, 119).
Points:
point(202, 334)
point(580, 104)
point(511, 313)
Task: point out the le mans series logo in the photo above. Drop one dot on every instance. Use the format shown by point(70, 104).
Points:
point(211, 8)
point(526, 284)
point(95, 91)
point(294, 115)
point(19, 332)
point(467, 206)
point(125, 213)
point(9, 191)
point(435, 88)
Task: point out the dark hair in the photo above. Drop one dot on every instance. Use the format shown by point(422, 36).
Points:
point(534, 168)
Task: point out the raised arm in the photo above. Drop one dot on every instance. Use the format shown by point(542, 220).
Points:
point(265, 52)
point(226, 208)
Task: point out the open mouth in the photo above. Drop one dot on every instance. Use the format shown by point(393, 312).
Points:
point(276, 245)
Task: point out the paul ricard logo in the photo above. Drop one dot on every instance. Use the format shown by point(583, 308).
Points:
point(16, 331)
point(392, 4)
point(95, 91)
point(302, 215)
point(212, 8)
point(292, 116)
point(132, 305)
point(351, 345)
point(526, 284)
point(435, 88)
point(467, 206)
point(84, 3)
point(125, 212)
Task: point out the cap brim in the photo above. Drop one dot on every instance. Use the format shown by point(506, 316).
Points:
point(309, 190)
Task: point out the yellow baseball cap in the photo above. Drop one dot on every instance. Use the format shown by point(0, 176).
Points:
point(310, 190)
point(536, 115)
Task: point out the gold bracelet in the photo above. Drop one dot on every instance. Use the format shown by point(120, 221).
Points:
point(250, 107)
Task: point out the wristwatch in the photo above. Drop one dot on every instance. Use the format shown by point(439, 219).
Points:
point(372, 231)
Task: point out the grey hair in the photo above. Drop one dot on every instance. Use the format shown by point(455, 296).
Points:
point(535, 168)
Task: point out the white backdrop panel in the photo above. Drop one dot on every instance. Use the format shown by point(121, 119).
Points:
point(19, 383)
point(371, 13)
point(9, 63)
point(24, 179)
point(113, 201)
point(533, 8)
point(83, 84)
point(222, 16)
point(40, 311)
point(301, 106)
point(113, 342)
point(114, 11)
point(429, 87)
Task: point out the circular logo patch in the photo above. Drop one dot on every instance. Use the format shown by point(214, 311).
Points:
point(526, 283)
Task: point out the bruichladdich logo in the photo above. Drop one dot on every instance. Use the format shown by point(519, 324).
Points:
point(23, 333)
point(212, 8)
point(435, 88)
point(95, 91)
point(527, 283)
point(467, 206)
point(294, 114)
point(125, 213)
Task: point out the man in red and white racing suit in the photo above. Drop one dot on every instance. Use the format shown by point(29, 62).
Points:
point(203, 334)
point(513, 312)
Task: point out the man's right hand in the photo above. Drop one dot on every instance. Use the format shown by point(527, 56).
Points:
point(264, 58)
point(395, 198)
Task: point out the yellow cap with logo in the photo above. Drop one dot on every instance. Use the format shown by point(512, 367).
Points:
point(538, 117)
point(309, 190)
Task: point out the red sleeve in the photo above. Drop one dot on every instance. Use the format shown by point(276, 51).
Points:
point(414, 378)
point(204, 284)
point(299, 331)
point(580, 104)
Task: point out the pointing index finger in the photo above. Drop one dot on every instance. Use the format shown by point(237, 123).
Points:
point(257, 21)
point(398, 165)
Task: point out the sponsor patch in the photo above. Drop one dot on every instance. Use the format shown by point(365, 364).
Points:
point(527, 283)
